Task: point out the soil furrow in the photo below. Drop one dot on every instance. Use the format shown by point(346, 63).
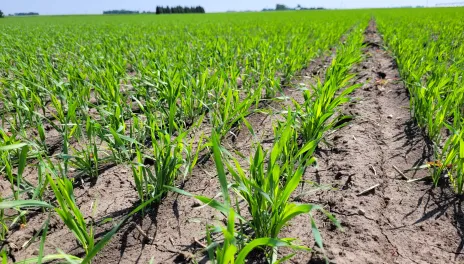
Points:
point(395, 222)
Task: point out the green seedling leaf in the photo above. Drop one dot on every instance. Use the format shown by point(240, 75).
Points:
point(71, 259)
point(13, 146)
point(23, 203)
point(220, 169)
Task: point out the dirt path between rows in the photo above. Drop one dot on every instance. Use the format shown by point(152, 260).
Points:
point(396, 222)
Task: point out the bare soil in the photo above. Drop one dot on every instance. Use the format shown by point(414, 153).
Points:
point(395, 222)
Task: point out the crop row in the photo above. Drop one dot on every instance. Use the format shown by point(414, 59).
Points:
point(429, 49)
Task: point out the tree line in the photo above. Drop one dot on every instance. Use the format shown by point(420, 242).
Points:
point(280, 7)
point(160, 10)
point(179, 10)
point(112, 12)
point(26, 14)
point(2, 15)
point(123, 11)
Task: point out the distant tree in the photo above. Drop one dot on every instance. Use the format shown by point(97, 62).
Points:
point(1, 14)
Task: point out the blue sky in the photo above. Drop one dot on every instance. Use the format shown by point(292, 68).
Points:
point(49, 7)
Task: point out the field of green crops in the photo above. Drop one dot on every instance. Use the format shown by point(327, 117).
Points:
point(162, 94)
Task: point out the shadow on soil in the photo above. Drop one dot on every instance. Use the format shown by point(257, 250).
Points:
point(414, 139)
point(437, 202)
